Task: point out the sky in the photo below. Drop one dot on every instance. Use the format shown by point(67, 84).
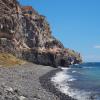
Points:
point(76, 23)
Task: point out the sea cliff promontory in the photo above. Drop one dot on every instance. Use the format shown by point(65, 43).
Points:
point(27, 35)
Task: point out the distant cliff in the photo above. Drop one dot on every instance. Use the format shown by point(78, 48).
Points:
point(27, 35)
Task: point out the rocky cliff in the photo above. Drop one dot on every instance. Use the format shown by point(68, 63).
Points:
point(27, 35)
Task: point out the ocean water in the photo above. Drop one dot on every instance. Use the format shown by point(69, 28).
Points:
point(81, 82)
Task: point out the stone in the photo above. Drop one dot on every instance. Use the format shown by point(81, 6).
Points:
point(8, 89)
point(30, 38)
point(22, 98)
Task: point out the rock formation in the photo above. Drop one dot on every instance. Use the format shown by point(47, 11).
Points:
point(27, 35)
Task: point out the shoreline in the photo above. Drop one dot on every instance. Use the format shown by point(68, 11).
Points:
point(46, 83)
point(29, 82)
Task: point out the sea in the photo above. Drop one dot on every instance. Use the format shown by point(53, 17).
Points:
point(81, 82)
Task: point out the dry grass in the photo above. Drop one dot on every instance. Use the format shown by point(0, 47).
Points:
point(9, 60)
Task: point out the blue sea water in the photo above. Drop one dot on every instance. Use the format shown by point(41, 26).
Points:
point(81, 82)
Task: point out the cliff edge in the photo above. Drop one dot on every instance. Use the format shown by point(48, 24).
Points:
point(27, 35)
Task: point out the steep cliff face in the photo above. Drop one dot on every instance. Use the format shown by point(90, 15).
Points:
point(27, 35)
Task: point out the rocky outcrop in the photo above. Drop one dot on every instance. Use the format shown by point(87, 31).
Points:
point(27, 35)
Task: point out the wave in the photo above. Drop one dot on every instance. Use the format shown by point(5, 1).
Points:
point(60, 81)
point(74, 71)
point(87, 67)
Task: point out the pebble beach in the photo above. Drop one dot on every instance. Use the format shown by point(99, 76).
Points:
point(29, 82)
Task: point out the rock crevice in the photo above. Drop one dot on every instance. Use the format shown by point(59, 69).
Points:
point(26, 34)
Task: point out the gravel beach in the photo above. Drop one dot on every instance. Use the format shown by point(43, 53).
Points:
point(28, 82)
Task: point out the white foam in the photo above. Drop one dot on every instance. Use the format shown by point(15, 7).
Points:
point(64, 68)
point(73, 71)
point(60, 81)
point(72, 79)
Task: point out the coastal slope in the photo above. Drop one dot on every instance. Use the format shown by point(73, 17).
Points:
point(27, 35)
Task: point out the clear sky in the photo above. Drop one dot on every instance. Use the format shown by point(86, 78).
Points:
point(75, 22)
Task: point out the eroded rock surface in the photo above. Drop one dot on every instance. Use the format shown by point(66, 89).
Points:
point(26, 34)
